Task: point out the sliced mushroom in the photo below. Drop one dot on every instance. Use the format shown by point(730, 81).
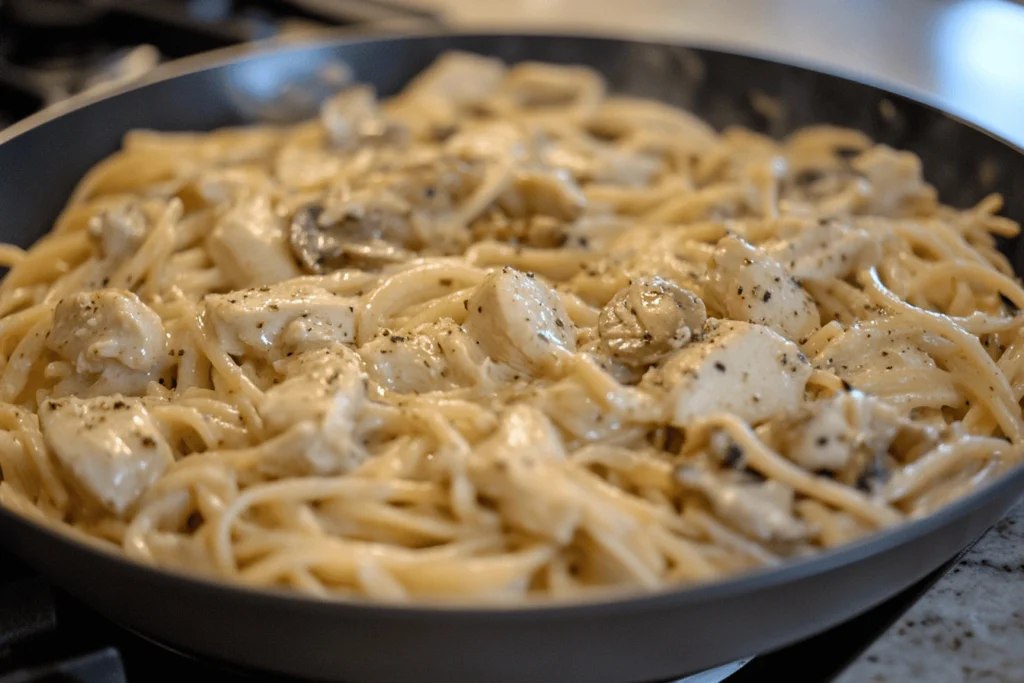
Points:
point(648, 320)
point(348, 244)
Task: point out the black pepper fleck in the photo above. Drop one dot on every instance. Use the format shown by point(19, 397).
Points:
point(733, 455)
point(1009, 303)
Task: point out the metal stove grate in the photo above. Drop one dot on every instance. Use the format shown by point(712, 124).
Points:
point(51, 49)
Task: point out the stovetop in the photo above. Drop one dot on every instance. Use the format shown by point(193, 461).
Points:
point(47, 636)
point(51, 49)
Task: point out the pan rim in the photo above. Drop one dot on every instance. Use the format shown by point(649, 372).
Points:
point(670, 597)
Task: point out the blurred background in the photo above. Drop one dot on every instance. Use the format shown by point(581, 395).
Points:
point(967, 54)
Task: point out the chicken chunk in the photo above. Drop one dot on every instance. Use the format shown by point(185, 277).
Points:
point(224, 186)
point(436, 356)
point(648, 320)
point(894, 177)
point(545, 193)
point(488, 141)
point(520, 321)
point(848, 436)
point(460, 78)
point(274, 320)
point(828, 250)
point(749, 285)
point(590, 160)
point(866, 357)
point(119, 231)
point(760, 510)
point(109, 446)
point(322, 392)
point(738, 368)
point(350, 114)
point(249, 245)
point(108, 327)
point(519, 468)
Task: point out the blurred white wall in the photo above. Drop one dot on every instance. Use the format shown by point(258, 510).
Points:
point(969, 54)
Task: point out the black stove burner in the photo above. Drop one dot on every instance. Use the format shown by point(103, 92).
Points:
point(48, 637)
point(51, 49)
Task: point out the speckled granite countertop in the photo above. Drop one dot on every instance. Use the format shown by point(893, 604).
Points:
point(968, 628)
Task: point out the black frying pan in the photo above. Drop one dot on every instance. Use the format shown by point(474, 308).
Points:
point(646, 638)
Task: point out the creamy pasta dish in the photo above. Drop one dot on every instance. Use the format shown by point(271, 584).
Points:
point(505, 335)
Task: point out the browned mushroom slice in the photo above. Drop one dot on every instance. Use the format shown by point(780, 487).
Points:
point(649, 320)
point(348, 244)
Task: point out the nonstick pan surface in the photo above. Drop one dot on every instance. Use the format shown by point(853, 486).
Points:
point(647, 638)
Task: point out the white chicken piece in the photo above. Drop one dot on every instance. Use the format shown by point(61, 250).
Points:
point(459, 78)
point(894, 178)
point(487, 141)
point(109, 446)
point(828, 250)
point(747, 284)
point(350, 114)
point(520, 321)
point(868, 358)
point(544, 192)
point(739, 368)
point(844, 434)
point(590, 160)
point(571, 406)
point(249, 245)
point(519, 468)
point(648, 320)
point(119, 231)
point(289, 317)
point(321, 395)
point(760, 510)
point(105, 328)
point(436, 356)
point(227, 185)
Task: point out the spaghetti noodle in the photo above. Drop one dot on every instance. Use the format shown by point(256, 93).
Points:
point(502, 336)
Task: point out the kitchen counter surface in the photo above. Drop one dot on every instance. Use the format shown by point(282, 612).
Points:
point(967, 55)
point(968, 628)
